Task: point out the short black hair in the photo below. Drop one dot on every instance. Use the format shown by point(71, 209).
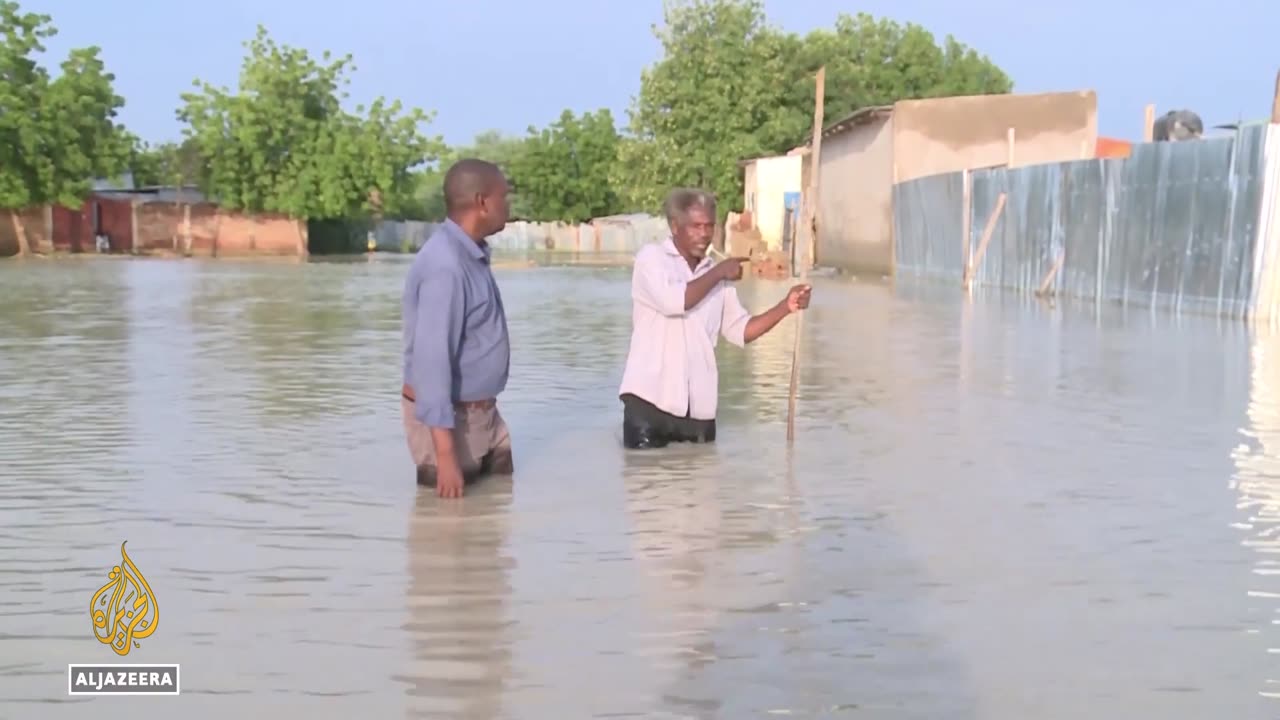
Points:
point(467, 178)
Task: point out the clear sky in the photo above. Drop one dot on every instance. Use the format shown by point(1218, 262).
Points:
point(506, 64)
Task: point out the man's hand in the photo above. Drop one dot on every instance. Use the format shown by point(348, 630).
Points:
point(798, 298)
point(448, 478)
point(730, 268)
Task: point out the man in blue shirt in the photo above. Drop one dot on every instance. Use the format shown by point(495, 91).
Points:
point(457, 353)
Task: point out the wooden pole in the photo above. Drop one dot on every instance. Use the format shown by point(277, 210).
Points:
point(1275, 102)
point(987, 232)
point(966, 221)
point(1047, 280)
point(1149, 124)
point(810, 228)
point(1009, 158)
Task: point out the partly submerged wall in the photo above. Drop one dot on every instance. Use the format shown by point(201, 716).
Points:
point(1174, 225)
point(622, 234)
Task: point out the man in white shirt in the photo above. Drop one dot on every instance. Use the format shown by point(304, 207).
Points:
point(680, 302)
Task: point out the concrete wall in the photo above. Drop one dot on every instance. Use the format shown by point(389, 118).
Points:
point(920, 138)
point(948, 134)
point(622, 235)
point(855, 198)
point(767, 180)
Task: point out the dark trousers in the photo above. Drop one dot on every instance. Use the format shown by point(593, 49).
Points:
point(645, 426)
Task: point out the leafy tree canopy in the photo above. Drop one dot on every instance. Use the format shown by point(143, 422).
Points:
point(284, 144)
point(489, 145)
point(730, 86)
point(56, 134)
point(562, 171)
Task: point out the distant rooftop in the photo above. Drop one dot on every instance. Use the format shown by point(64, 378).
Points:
point(158, 193)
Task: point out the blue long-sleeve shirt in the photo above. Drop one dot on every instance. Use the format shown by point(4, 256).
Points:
point(456, 347)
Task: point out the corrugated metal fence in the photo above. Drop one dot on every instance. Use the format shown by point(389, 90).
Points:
point(1175, 225)
point(623, 234)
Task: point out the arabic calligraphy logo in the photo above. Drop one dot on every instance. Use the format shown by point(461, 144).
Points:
point(124, 610)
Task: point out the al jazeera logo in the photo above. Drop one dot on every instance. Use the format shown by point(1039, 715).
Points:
point(124, 611)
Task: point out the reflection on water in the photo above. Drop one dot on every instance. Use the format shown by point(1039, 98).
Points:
point(1257, 480)
point(457, 604)
point(993, 509)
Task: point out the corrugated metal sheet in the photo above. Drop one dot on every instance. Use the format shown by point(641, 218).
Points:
point(927, 217)
point(1174, 225)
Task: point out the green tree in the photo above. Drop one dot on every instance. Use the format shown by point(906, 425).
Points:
point(878, 62)
point(284, 144)
point(490, 145)
point(707, 103)
point(730, 86)
point(562, 171)
point(165, 164)
point(56, 135)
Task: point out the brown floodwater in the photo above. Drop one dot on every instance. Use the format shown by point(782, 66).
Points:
point(993, 508)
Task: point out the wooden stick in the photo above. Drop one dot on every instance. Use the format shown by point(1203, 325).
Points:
point(810, 228)
point(966, 222)
point(987, 232)
point(1053, 271)
point(1275, 102)
point(1149, 124)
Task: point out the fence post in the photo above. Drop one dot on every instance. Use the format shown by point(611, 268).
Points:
point(987, 232)
point(966, 222)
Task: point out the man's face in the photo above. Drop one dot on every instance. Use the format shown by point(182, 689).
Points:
point(693, 237)
point(496, 207)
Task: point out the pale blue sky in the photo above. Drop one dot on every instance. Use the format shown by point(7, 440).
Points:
point(506, 64)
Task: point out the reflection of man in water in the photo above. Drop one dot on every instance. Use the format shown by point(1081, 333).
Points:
point(457, 354)
point(680, 302)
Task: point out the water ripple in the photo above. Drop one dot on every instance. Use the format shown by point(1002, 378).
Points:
point(992, 510)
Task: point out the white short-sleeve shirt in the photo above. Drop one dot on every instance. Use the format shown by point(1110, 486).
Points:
point(671, 361)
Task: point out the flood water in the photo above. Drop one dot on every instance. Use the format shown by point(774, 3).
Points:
point(992, 509)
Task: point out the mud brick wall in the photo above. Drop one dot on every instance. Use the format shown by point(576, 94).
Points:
point(33, 221)
point(214, 231)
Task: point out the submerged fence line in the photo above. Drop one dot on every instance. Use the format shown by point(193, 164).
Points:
point(624, 234)
point(1182, 225)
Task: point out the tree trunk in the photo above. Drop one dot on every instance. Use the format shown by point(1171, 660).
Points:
point(20, 232)
point(186, 228)
point(303, 239)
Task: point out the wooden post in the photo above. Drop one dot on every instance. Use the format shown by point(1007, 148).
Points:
point(1275, 103)
point(1009, 151)
point(1149, 124)
point(987, 232)
point(810, 227)
point(1047, 280)
point(966, 222)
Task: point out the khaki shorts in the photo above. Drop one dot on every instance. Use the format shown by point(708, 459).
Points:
point(480, 438)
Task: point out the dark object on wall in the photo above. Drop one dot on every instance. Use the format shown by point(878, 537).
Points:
point(1177, 126)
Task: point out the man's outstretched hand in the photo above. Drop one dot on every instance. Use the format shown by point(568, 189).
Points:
point(730, 268)
point(798, 298)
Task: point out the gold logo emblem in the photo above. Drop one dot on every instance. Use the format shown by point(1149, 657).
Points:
point(124, 610)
